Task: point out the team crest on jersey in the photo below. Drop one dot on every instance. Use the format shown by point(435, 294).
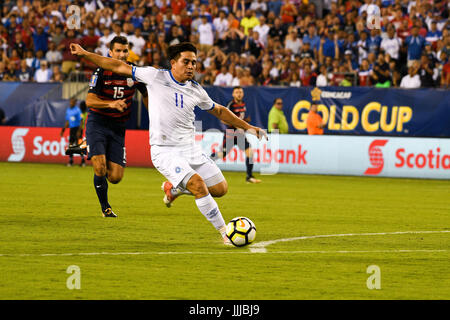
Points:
point(130, 82)
point(93, 80)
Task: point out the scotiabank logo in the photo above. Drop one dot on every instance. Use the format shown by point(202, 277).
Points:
point(18, 144)
point(376, 157)
point(433, 159)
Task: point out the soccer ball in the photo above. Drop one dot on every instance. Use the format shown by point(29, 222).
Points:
point(241, 231)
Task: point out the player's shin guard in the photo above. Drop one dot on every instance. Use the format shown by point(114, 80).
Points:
point(101, 187)
point(208, 207)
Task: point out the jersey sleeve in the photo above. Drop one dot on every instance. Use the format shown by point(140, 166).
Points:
point(144, 74)
point(205, 102)
point(96, 83)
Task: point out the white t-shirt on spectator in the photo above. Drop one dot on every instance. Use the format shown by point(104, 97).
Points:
point(321, 81)
point(206, 34)
point(410, 82)
point(263, 31)
point(43, 75)
point(221, 26)
point(391, 46)
point(223, 79)
point(138, 44)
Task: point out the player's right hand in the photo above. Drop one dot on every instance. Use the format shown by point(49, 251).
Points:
point(77, 50)
point(118, 104)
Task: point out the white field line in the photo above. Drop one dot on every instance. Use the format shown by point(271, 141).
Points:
point(259, 247)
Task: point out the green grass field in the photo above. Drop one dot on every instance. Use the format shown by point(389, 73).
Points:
point(50, 219)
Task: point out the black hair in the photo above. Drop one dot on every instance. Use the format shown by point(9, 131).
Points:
point(174, 51)
point(118, 39)
point(236, 87)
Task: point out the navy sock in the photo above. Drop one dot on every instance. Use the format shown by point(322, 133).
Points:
point(249, 167)
point(101, 187)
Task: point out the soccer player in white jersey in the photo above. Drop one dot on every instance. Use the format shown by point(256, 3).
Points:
point(172, 96)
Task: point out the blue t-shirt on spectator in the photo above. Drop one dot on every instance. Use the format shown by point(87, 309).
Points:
point(415, 46)
point(275, 6)
point(314, 42)
point(328, 48)
point(73, 115)
point(373, 44)
point(40, 41)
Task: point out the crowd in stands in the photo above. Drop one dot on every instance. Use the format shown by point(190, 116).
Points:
point(252, 42)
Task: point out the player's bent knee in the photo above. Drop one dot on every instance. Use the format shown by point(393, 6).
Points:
point(197, 186)
point(114, 179)
point(219, 190)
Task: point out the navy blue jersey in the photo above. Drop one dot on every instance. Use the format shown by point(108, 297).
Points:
point(238, 109)
point(110, 86)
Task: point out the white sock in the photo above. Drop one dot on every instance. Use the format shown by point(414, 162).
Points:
point(208, 207)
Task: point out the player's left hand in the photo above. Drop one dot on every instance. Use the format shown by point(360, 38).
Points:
point(258, 132)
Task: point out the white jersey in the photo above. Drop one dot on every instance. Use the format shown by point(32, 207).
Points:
point(171, 106)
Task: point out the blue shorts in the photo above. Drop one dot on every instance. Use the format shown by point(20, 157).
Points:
point(105, 136)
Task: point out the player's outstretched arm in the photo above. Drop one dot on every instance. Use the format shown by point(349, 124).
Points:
point(225, 115)
point(110, 64)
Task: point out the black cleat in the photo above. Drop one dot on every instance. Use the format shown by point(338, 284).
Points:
point(108, 213)
point(77, 149)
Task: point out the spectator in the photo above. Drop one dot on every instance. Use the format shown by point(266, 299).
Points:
point(57, 75)
point(278, 31)
point(295, 80)
point(381, 75)
point(392, 44)
point(426, 72)
point(221, 25)
point(275, 7)
point(312, 38)
point(254, 45)
point(307, 76)
point(40, 39)
point(288, 12)
point(24, 74)
point(415, 44)
point(322, 78)
point(206, 35)
point(19, 45)
point(249, 21)
point(53, 56)
point(69, 60)
point(234, 41)
point(277, 118)
point(314, 123)
point(43, 74)
point(292, 41)
point(433, 35)
point(263, 29)
point(364, 74)
point(58, 35)
point(411, 80)
point(10, 74)
point(224, 78)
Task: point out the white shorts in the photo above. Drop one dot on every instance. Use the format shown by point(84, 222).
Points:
point(177, 163)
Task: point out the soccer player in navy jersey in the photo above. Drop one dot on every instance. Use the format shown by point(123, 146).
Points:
point(233, 136)
point(109, 101)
